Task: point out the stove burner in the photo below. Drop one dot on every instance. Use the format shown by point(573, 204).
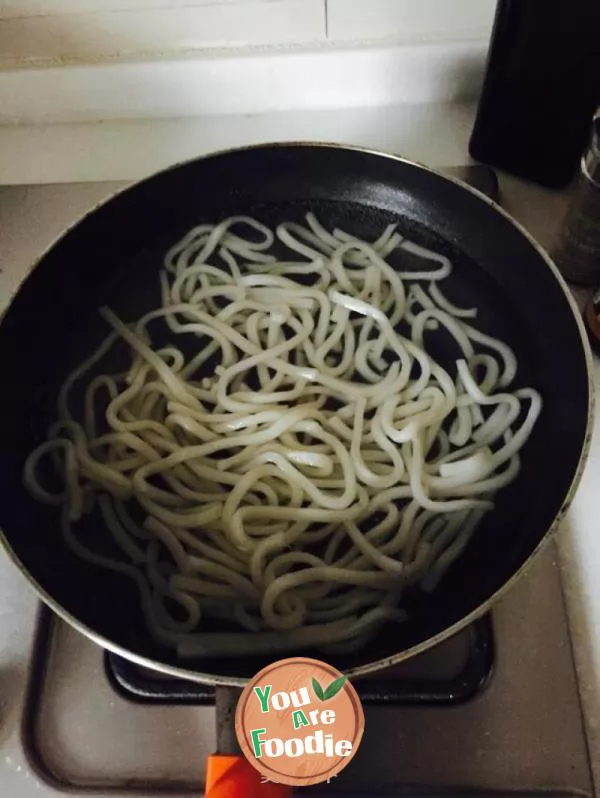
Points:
point(143, 686)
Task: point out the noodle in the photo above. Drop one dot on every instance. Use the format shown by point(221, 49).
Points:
point(294, 459)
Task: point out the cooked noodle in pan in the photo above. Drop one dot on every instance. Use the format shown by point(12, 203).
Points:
point(292, 458)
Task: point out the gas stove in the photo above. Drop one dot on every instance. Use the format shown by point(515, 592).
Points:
point(469, 713)
point(494, 709)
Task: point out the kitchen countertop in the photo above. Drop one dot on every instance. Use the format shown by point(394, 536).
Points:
point(432, 133)
point(31, 216)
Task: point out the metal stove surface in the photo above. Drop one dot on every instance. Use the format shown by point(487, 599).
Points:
point(70, 732)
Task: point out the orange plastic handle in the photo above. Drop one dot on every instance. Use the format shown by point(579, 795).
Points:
point(234, 777)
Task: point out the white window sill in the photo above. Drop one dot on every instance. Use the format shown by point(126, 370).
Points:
point(432, 133)
point(272, 80)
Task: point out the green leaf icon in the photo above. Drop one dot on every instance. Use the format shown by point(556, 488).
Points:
point(318, 690)
point(334, 688)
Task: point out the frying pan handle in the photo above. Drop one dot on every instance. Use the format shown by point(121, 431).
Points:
point(228, 773)
point(229, 776)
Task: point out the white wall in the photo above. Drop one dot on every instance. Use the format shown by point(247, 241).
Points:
point(42, 33)
point(409, 19)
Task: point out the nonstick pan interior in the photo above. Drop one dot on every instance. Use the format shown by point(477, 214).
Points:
point(113, 257)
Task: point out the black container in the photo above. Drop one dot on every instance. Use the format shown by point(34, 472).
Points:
point(541, 88)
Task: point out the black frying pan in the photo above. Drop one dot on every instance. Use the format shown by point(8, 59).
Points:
point(113, 256)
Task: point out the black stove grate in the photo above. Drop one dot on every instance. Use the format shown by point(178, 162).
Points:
point(148, 687)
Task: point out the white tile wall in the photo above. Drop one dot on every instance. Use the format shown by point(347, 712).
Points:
point(58, 32)
point(409, 19)
point(109, 34)
point(32, 8)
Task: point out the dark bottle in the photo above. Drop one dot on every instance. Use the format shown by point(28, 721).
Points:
point(591, 318)
point(577, 253)
point(541, 88)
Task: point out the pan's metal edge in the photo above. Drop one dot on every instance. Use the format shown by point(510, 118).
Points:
point(478, 611)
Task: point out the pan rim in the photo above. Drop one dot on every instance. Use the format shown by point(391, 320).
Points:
point(477, 612)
